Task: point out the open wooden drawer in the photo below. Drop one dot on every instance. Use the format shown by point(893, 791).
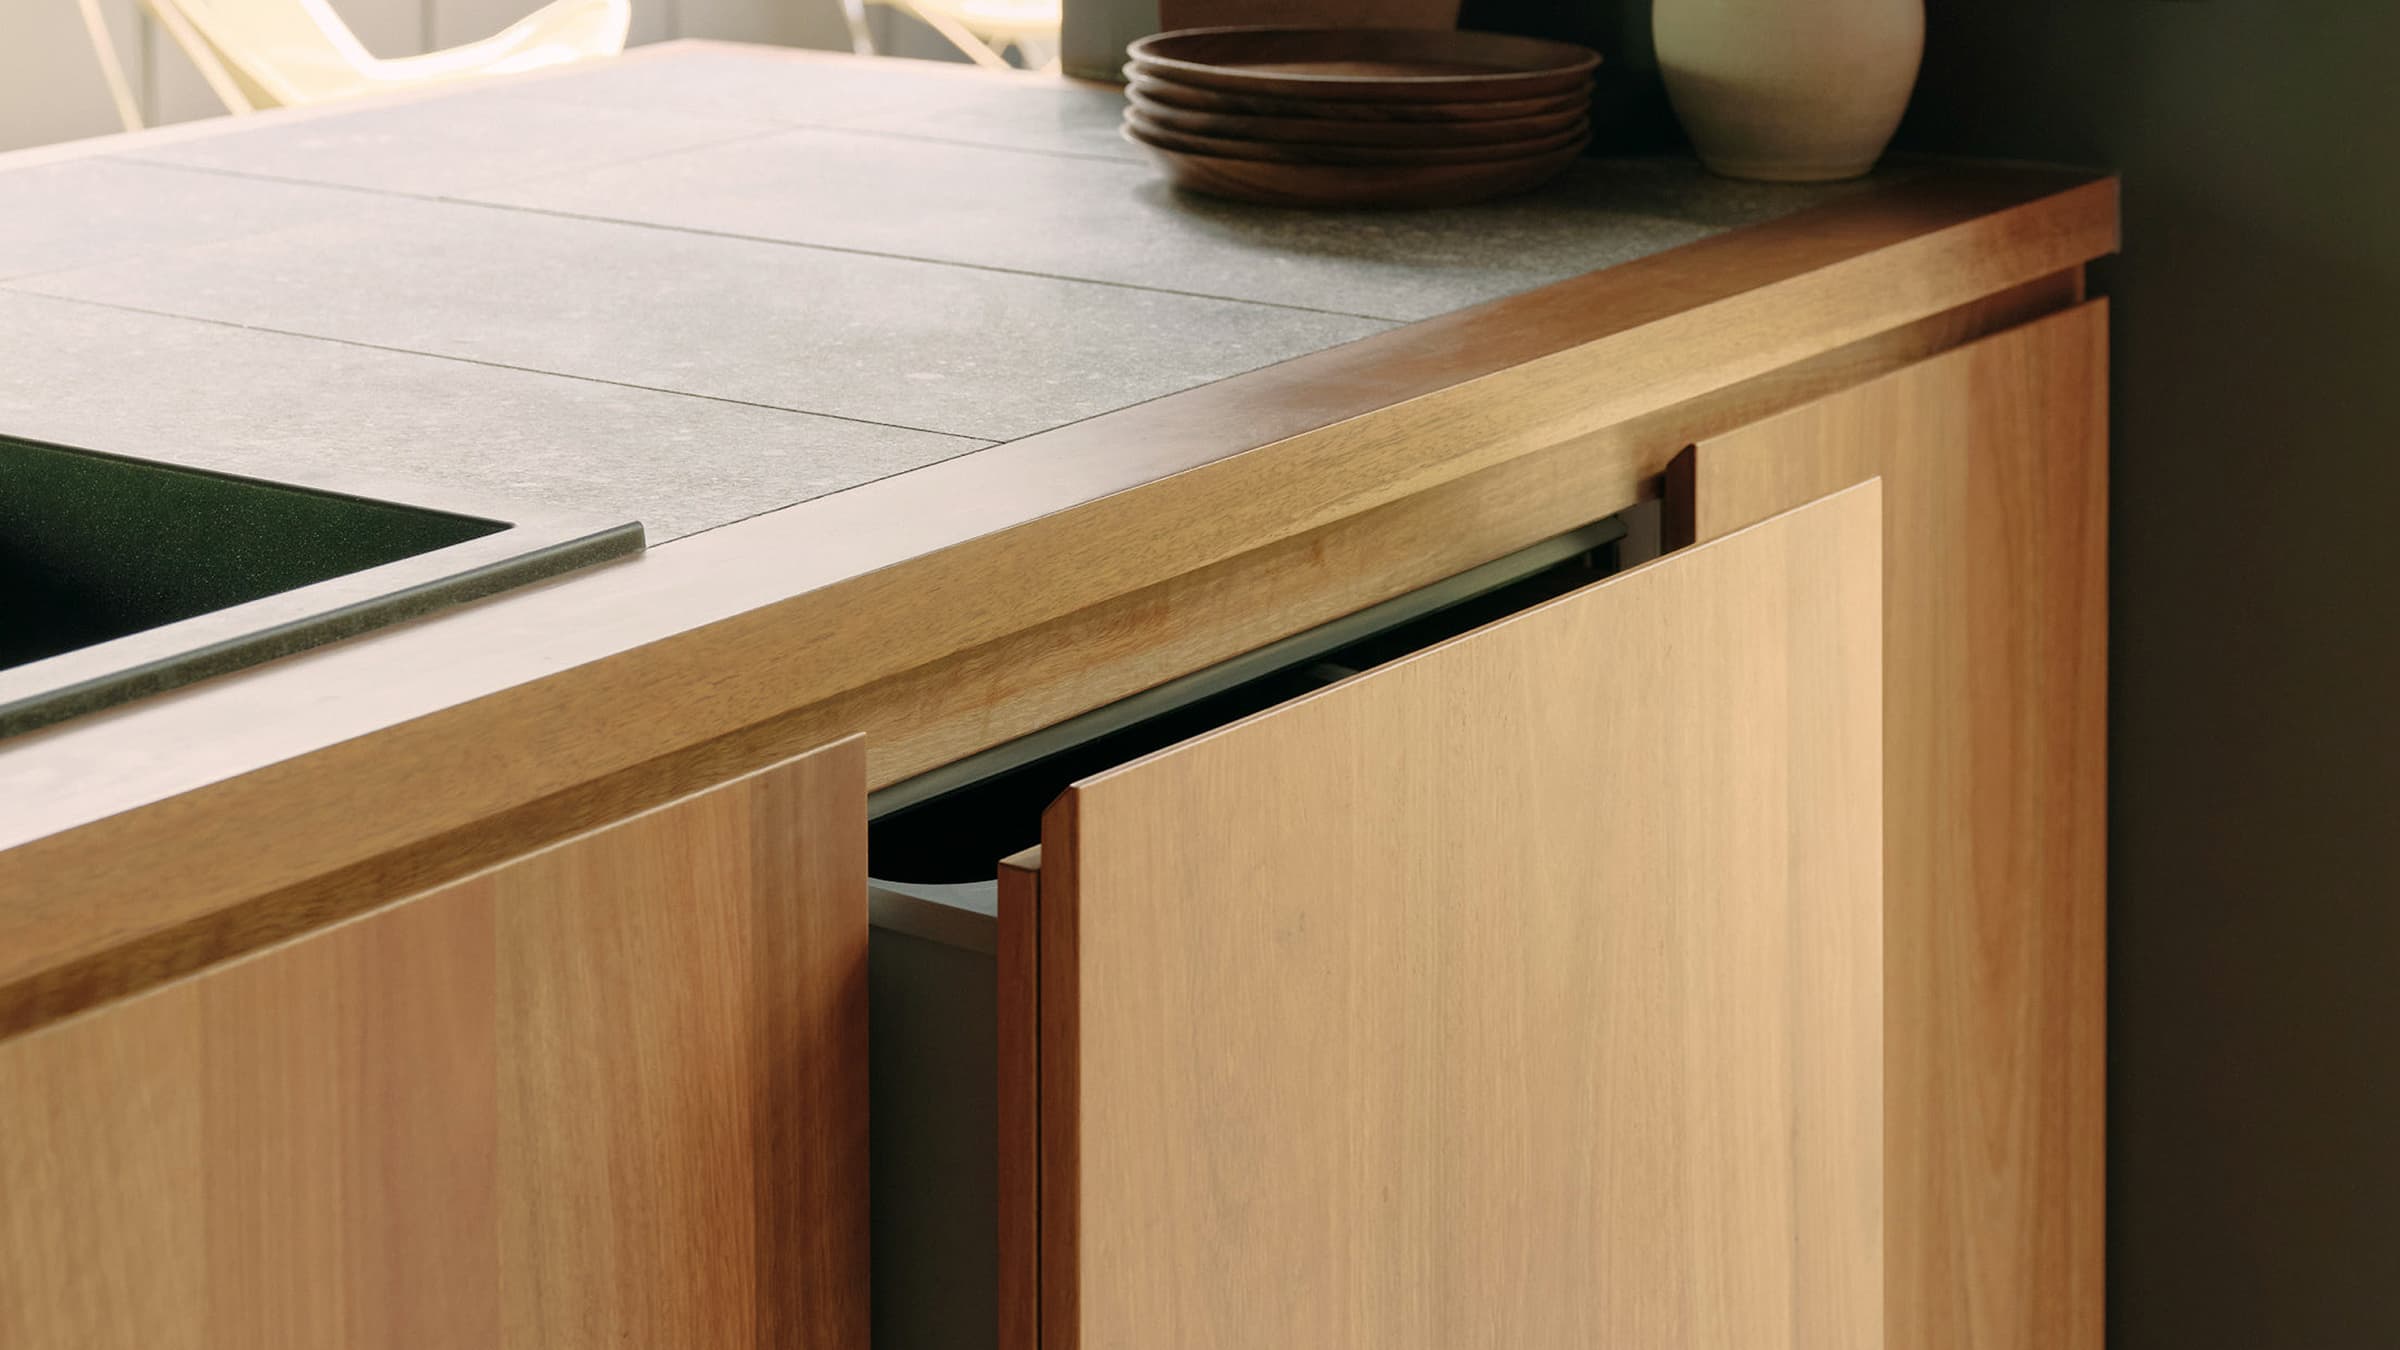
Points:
point(1524, 991)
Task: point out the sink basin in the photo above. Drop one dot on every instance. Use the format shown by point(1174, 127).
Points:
point(122, 577)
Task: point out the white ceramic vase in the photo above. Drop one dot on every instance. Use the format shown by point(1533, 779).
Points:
point(1789, 90)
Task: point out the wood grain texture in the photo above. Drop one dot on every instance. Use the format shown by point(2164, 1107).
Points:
point(1197, 99)
point(347, 1113)
point(611, 1093)
point(1397, 64)
point(101, 1201)
point(1141, 125)
point(1019, 1058)
point(1020, 683)
point(1523, 992)
point(148, 842)
point(1994, 466)
point(1355, 131)
point(1266, 172)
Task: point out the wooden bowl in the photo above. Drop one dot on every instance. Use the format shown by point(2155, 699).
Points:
point(1357, 185)
point(1148, 132)
point(1376, 65)
point(1162, 90)
point(1338, 131)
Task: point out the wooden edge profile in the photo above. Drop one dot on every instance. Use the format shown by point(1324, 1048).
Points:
point(1061, 1123)
point(1679, 522)
point(809, 1069)
point(1019, 1058)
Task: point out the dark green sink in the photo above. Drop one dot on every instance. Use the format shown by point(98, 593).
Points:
point(122, 577)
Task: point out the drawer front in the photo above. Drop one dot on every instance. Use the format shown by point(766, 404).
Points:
point(1525, 991)
point(610, 1093)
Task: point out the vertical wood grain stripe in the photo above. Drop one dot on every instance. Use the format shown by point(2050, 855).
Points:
point(1019, 1100)
point(1520, 992)
point(809, 1045)
point(610, 1093)
point(1059, 1112)
point(1994, 463)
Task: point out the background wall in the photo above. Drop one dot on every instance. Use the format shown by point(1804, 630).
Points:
point(2254, 1169)
point(51, 90)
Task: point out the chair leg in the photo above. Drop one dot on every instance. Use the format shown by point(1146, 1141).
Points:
point(958, 36)
point(1039, 54)
point(220, 80)
point(111, 69)
point(862, 39)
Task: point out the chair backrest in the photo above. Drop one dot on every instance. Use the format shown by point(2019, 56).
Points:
point(279, 51)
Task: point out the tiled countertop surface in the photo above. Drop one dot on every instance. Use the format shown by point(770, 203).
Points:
point(702, 283)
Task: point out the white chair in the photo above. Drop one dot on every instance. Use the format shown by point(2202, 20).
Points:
point(272, 53)
point(983, 29)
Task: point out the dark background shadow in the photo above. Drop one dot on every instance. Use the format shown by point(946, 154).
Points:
point(2254, 1075)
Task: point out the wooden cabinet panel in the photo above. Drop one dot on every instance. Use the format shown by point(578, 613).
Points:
point(1523, 992)
point(1994, 467)
point(101, 1200)
point(1017, 1050)
point(610, 1093)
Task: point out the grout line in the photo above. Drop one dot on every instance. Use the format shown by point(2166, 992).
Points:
point(542, 95)
point(561, 214)
point(757, 131)
point(887, 133)
point(985, 442)
point(973, 447)
point(754, 132)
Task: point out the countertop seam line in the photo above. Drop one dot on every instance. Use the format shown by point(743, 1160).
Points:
point(753, 132)
point(483, 204)
point(219, 171)
point(889, 133)
point(973, 448)
point(918, 258)
point(11, 285)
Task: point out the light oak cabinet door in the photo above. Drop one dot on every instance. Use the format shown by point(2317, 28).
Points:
point(1994, 465)
point(1525, 992)
point(610, 1093)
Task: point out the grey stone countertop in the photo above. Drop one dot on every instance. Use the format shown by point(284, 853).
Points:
point(705, 282)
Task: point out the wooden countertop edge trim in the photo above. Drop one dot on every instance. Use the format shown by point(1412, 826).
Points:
point(837, 593)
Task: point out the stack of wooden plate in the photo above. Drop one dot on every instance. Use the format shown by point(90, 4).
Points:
point(1358, 116)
